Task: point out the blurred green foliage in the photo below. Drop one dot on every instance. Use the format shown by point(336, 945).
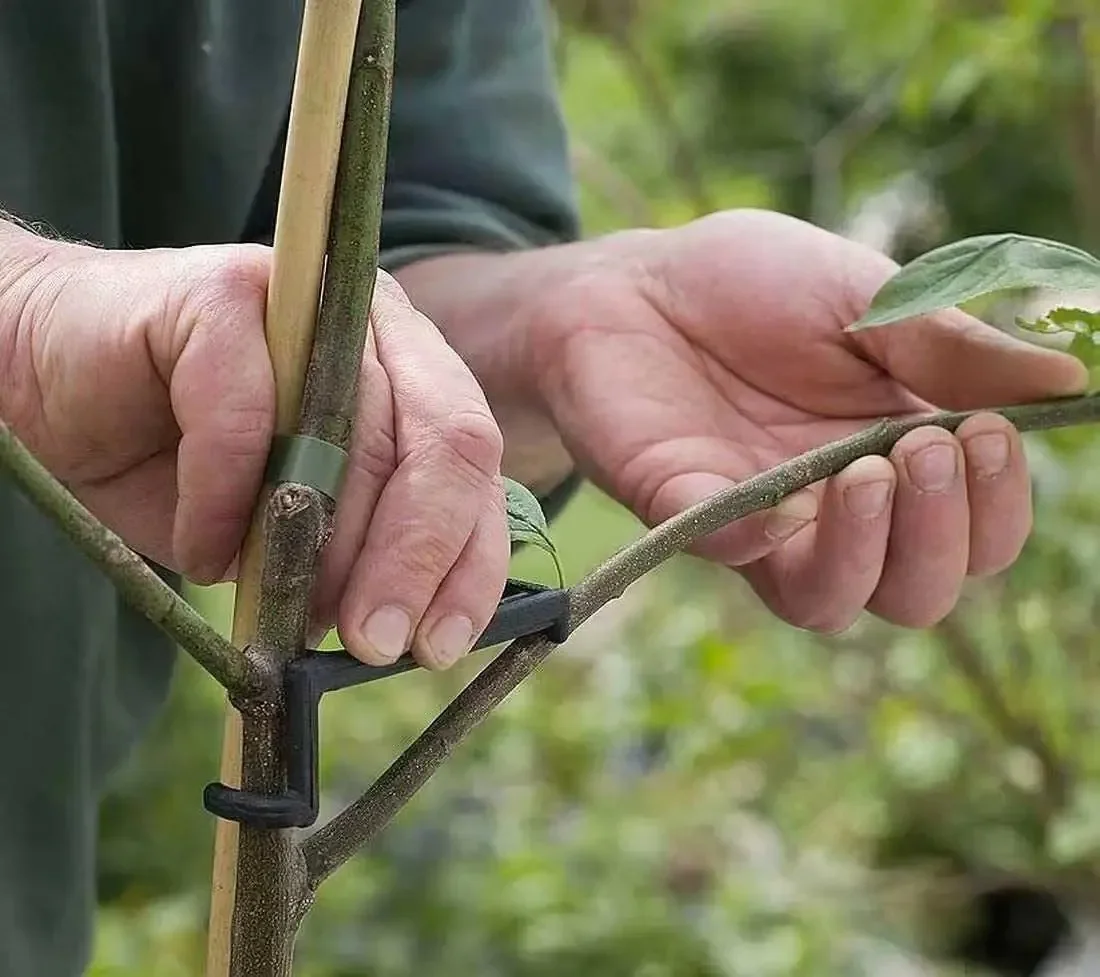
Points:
point(690, 789)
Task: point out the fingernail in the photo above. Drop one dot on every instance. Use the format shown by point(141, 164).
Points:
point(450, 639)
point(988, 454)
point(868, 500)
point(933, 469)
point(386, 633)
point(790, 515)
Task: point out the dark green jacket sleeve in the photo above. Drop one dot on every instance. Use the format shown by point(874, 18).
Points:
point(477, 153)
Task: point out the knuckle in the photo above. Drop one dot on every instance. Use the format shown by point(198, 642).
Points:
point(427, 554)
point(472, 443)
point(245, 429)
point(224, 279)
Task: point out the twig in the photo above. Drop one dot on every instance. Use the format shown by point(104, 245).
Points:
point(830, 152)
point(683, 158)
point(1014, 729)
point(613, 185)
point(241, 675)
point(337, 841)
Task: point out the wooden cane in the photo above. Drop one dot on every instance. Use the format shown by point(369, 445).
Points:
point(301, 236)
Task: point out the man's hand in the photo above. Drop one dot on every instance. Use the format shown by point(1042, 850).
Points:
point(690, 359)
point(671, 364)
point(142, 381)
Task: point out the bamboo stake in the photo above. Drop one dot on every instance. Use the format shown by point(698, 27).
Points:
point(301, 234)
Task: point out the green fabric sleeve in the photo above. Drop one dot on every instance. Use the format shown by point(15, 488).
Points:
point(478, 153)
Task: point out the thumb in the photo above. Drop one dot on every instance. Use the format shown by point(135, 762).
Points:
point(211, 349)
point(958, 362)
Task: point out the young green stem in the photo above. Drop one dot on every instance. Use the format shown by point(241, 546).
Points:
point(332, 845)
point(241, 675)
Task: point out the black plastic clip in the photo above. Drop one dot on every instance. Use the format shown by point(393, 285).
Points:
point(524, 609)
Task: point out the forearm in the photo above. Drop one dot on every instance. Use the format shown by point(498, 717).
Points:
point(485, 305)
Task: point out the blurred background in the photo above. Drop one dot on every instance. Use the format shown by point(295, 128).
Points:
point(691, 789)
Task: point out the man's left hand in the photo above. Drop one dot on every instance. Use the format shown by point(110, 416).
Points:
point(676, 363)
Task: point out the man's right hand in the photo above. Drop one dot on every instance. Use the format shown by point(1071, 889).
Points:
point(141, 379)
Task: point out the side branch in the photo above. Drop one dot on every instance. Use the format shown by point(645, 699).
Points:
point(135, 580)
point(1017, 730)
point(329, 847)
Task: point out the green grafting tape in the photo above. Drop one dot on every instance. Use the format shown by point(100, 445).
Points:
point(307, 461)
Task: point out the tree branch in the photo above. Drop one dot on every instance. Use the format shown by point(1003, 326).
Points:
point(605, 179)
point(1014, 729)
point(829, 154)
point(337, 841)
point(683, 158)
point(241, 675)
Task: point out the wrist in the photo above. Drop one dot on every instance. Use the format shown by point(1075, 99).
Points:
point(27, 261)
point(489, 307)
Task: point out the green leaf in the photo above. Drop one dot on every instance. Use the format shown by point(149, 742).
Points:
point(956, 273)
point(1084, 324)
point(527, 522)
point(1064, 319)
point(522, 505)
point(1086, 347)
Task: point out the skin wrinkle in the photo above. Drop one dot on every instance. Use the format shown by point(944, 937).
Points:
point(762, 456)
point(644, 497)
point(763, 412)
point(647, 499)
point(151, 471)
point(37, 362)
point(375, 461)
point(373, 455)
point(439, 438)
point(468, 434)
point(597, 306)
point(51, 409)
point(22, 399)
point(106, 482)
point(660, 288)
point(16, 270)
